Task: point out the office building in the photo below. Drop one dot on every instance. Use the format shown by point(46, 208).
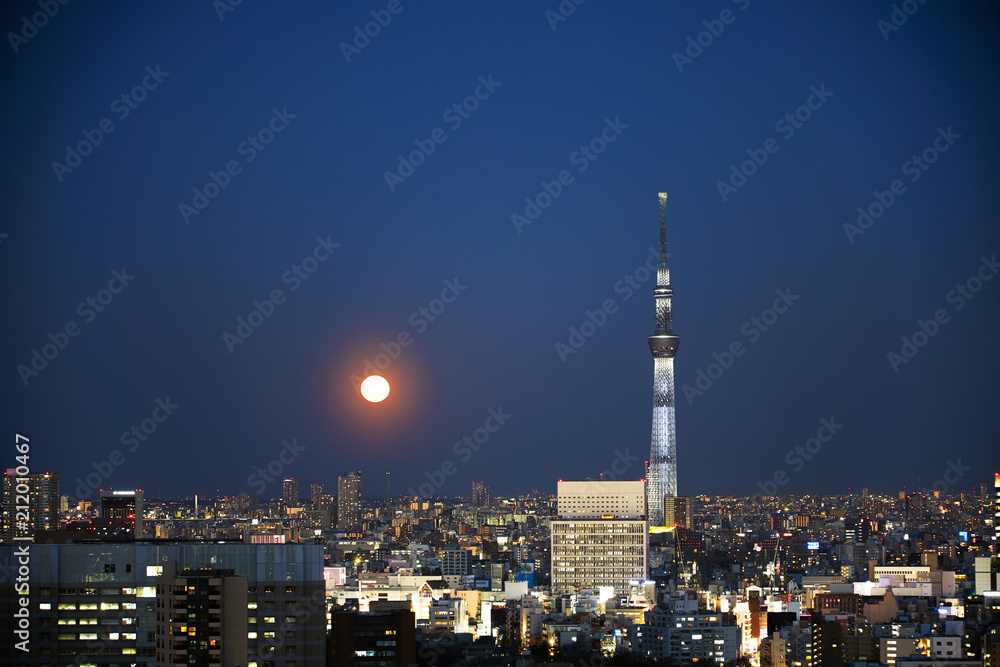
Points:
point(316, 496)
point(124, 508)
point(601, 536)
point(37, 494)
point(661, 480)
point(595, 499)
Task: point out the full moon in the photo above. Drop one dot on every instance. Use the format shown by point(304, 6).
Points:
point(375, 388)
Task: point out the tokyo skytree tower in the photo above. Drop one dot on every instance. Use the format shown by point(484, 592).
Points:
point(661, 480)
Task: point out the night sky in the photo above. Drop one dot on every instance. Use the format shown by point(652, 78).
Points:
point(177, 162)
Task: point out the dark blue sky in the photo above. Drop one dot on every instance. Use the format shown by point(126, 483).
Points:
point(210, 84)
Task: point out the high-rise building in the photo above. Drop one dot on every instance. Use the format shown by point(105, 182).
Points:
point(996, 511)
point(328, 504)
point(316, 495)
point(677, 511)
point(454, 564)
point(349, 500)
point(290, 492)
point(596, 500)
point(662, 478)
point(41, 491)
point(601, 536)
point(124, 508)
point(91, 602)
point(916, 506)
point(201, 617)
point(480, 494)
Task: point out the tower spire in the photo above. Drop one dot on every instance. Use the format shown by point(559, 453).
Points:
point(663, 230)
point(662, 478)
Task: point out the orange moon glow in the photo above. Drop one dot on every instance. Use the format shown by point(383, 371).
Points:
point(375, 388)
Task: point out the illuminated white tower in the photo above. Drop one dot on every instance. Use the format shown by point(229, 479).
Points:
point(662, 476)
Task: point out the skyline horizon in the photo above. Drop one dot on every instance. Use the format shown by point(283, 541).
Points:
point(304, 486)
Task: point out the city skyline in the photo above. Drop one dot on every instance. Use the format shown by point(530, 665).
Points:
point(207, 245)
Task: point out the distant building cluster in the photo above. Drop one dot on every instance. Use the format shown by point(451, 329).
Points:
point(572, 578)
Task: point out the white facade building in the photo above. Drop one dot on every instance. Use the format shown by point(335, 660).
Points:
point(601, 537)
